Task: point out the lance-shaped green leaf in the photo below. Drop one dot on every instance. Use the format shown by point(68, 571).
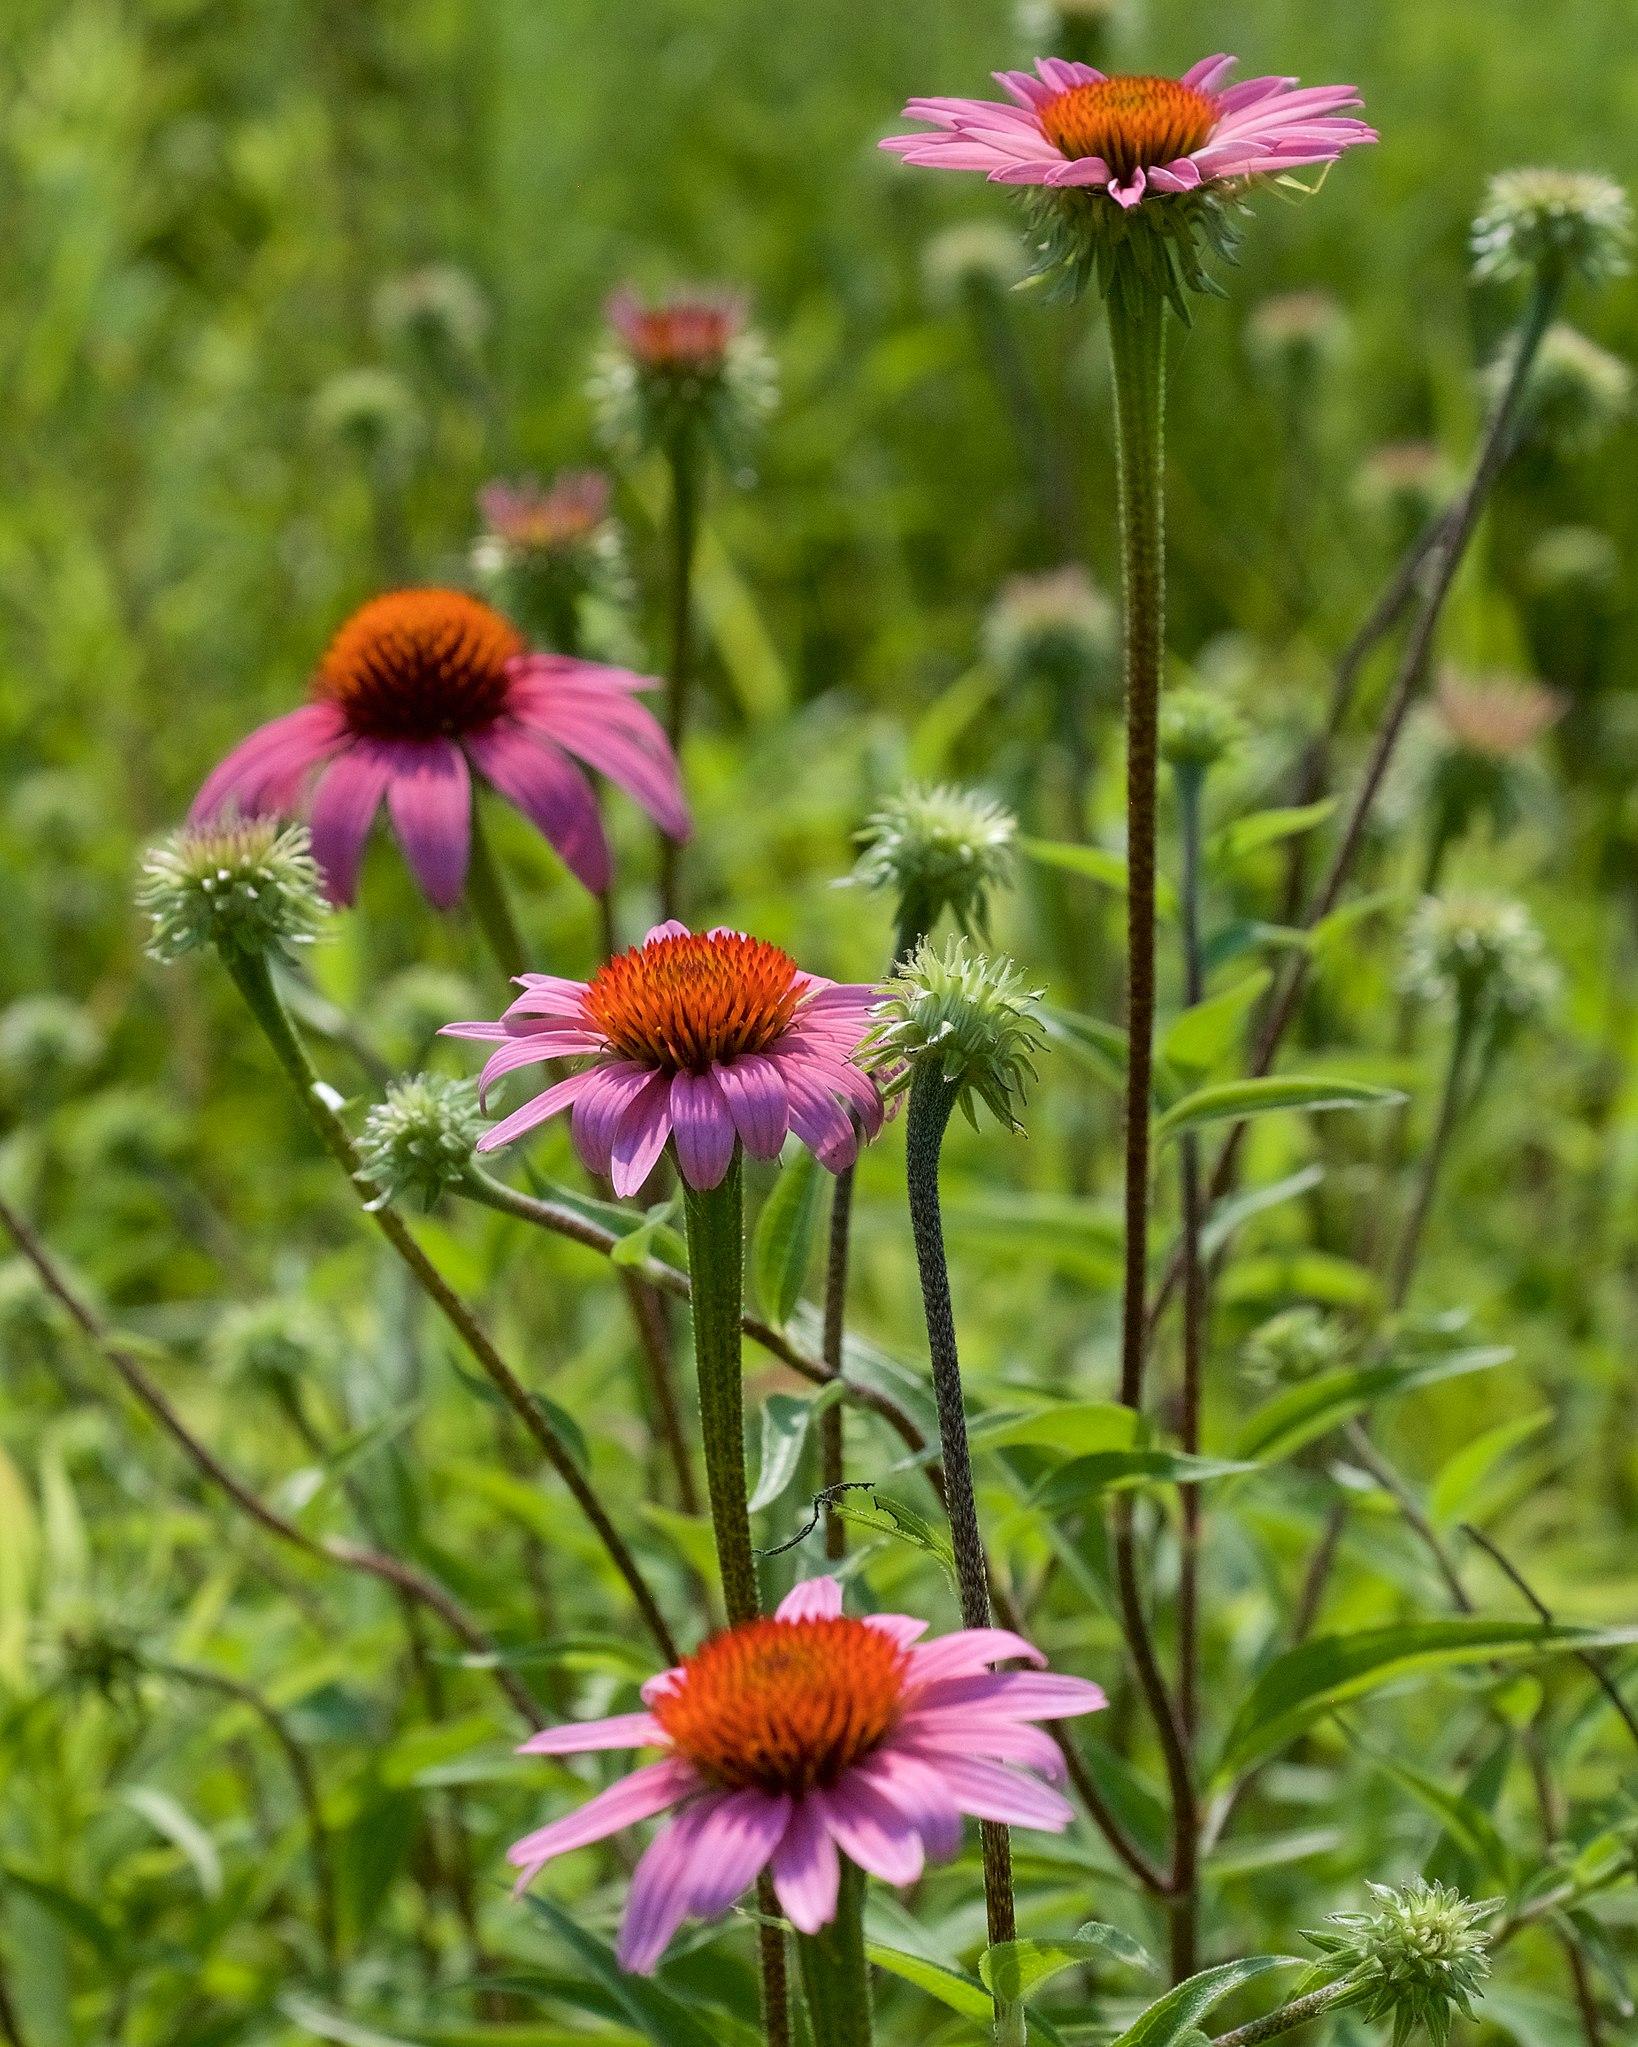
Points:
point(656, 2013)
point(1121, 1470)
point(1260, 828)
point(1198, 1038)
point(1015, 1969)
point(1315, 1406)
point(783, 1245)
point(1233, 1101)
point(786, 1419)
point(1175, 2018)
point(1095, 863)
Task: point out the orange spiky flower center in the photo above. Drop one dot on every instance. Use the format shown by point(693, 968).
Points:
point(783, 1706)
point(1132, 122)
point(420, 664)
point(685, 1001)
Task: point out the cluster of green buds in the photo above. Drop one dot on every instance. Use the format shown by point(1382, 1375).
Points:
point(1294, 337)
point(437, 316)
point(1294, 1346)
point(966, 1019)
point(1483, 954)
point(1417, 1961)
point(1199, 728)
point(1058, 631)
point(250, 887)
point(47, 1042)
point(937, 849)
point(687, 367)
point(550, 556)
point(1576, 395)
point(1084, 31)
point(277, 1343)
point(1552, 224)
point(420, 1141)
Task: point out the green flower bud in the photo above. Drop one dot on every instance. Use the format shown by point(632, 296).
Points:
point(1418, 1960)
point(278, 1342)
point(938, 849)
point(1058, 629)
point(247, 886)
point(1576, 393)
point(437, 314)
point(1403, 485)
point(969, 1018)
point(1552, 223)
point(372, 413)
point(1295, 335)
point(974, 255)
point(547, 553)
point(1483, 953)
point(1084, 31)
point(420, 1140)
point(1295, 1346)
point(1198, 728)
point(99, 1656)
point(686, 366)
point(47, 1042)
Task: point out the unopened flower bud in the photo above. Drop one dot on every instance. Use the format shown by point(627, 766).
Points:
point(1418, 1960)
point(47, 1042)
point(437, 314)
point(1198, 728)
point(248, 886)
point(1552, 223)
point(1084, 31)
point(421, 1139)
point(1294, 1346)
point(974, 255)
point(372, 413)
point(682, 366)
point(967, 1018)
point(1485, 954)
point(279, 1342)
point(546, 552)
point(938, 849)
point(1576, 392)
point(1295, 335)
point(1056, 629)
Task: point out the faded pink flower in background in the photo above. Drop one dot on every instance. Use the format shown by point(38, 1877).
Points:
point(1134, 137)
point(792, 1742)
point(707, 1038)
point(417, 690)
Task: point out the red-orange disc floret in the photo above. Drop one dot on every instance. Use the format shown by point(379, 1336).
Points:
point(1132, 122)
point(690, 335)
point(783, 1706)
point(420, 664)
point(687, 1001)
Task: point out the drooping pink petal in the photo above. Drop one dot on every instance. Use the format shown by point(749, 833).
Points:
point(429, 797)
point(702, 1128)
point(959, 1733)
point(552, 794)
point(581, 1737)
point(870, 1832)
point(662, 1889)
point(637, 1797)
point(535, 1112)
point(530, 1051)
point(646, 771)
point(757, 1101)
point(914, 1788)
point(1021, 1694)
point(807, 1869)
point(344, 804)
point(1129, 192)
point(614, 1086)
point(735, 1838)
point(814, 1599)
point(640, 1135)
point(265, 769)
point(990, 1791)
point(969, 1650)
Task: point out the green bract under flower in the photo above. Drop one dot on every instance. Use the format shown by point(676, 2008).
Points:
point(967, 1017)
point(1483, 953)
point(248, 886)
point(1552, 222)
point(420, 1140)
point(1419, 1959)
point(938, 849)
point(1198, 728)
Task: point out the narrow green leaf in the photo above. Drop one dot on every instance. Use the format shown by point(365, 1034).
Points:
point(882, 1515)
point(1306, 1683)
point(1074, 1428)
point(1265, 828)
point(1095, 863)
point(1299, 1414)
point(654, 2010)
point(953, 1988)
point(166, 1816)
point(1099, 1047)
point(1460, 1477)
point(1198, 1038)
point(1121, 1470)
point(1174, 2017)
point(786, 1418)
point(1015, 1969)
point(1234, 1212)
point(1232, 1101)
point(783, 1245)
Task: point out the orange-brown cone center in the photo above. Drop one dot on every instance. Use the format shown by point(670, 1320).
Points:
point(683, 1002)
point(1131, 122)
point(785, 1705)
point(417, 664)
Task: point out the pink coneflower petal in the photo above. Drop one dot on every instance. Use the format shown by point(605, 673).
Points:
point(969, 1651)
point(807, 1869)
point(1209, 73)
point(533, 1113)
point(344, 805)
point(757, 1101)
point(872, 1832)
point(814, 1599)
point(637, 1797)
point(640, 1135)
point(429, 797)
point(1020, 1694)
point(990, 1792)
point(702, 1127)
point(903, 1628)
point(551, 793)
point(598, 1111)
point(264, 771)
point(531, 1051)
point(582, 1737)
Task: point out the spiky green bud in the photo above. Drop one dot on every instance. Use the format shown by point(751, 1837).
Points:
point(969, 1018)
point(938, 849)
point(1552, 223)
point(1198, 729)
point(1576, 394)
point(420, 1140)
point(685, 367)
point(437, 314)
point(1294, 1346)
point(279, 1342)
point(1485, 954)
point(1417, 1961)
point(248, 886)
point(372, 413)
point(1057, 629)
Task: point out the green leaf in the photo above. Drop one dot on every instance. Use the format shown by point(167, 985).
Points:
point(1014, 1969)
point(1074, 1428)
point(1461, 1477)
point(1099, 1047)
point(1120, 1470)
point(786, 1418)
point(783, 1246)
point(1198, 1038)
point(953, 1988)
point(1095, 863)
point(1265, 828)
point(1236, 1210)
point(1467, 1825)
point(1301, 1686)
point(182, 1830)
point(1174, 2017)
point(1295, 1417)
point(1232, 1101)
point(654, 2010)
point(882, 1515)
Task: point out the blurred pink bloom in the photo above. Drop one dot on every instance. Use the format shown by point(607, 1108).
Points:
point(1070, 125)
point(700, 1037)
point(689, 332)
point(418, 688)
point(529, 514)
point(793, 1741)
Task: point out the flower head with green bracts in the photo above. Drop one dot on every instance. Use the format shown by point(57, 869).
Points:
point(1294, 1346)
point(247, 886)
point(938, 849)
point(688, 362)
point(1483, 953)
point(437, 315)
point(1056, 628)
point(967, 1017)
point(1198, 729)
point(1552, 223)
point(1418, 1960)
point(421, 1139)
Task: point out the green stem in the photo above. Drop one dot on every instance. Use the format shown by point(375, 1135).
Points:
point(835, 1973)
point(1433, 1159)
point(684, 457)
point(254, 983)
point(932, 1098)
point(1286, 2019)
point(487, 898)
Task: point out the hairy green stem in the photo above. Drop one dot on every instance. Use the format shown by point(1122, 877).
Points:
point(254, 983)
point(1451, 1094)
point(932, 1098)
point(835, 1972)
point(684, 458)
point(1286, 2020)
